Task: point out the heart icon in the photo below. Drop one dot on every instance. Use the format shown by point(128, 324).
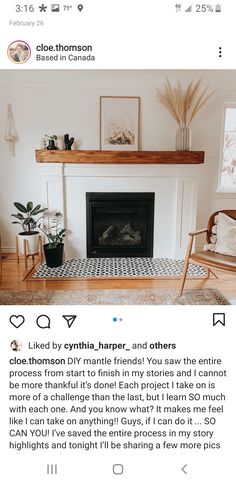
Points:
point(17, 320)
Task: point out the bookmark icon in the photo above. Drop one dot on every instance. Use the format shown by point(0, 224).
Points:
point(218, 318)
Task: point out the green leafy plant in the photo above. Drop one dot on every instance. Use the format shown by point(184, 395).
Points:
point(48, 138)
point(25, 216)
point(54, 232)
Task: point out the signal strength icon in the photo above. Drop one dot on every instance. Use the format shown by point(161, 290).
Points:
point(189, 9)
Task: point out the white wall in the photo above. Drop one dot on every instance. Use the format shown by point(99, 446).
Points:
point(56, 102)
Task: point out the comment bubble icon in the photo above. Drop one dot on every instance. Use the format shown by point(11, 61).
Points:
point(43, 321)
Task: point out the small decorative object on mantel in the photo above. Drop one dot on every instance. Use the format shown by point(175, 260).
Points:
point(10, 131)
point(68, 141)
point(49, 141)
point(183, 104)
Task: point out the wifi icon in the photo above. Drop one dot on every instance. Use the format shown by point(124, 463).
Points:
point(189, 9)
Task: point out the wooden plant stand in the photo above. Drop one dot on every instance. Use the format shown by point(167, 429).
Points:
point(26, 255)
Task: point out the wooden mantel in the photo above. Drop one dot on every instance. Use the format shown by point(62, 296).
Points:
point(118, 157)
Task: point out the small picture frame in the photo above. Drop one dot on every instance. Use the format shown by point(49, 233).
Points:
point(119, 122)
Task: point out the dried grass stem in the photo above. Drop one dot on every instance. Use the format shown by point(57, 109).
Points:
point(183, 104)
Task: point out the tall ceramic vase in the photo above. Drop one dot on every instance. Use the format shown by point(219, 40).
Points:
point(183, 138)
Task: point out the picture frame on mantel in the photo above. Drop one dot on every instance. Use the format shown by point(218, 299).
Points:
point(119, 123)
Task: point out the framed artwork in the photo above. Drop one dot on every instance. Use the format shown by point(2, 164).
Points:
point(119, 122)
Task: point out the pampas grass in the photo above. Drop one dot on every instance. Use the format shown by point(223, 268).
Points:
point(183, 103)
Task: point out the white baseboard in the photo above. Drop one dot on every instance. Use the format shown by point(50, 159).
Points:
point(8, 250)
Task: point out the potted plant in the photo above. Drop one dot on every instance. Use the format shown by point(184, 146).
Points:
point(49, 141)
point(54, 249)
point(26, 218)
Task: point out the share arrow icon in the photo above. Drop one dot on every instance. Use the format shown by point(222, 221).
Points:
point(70, 319)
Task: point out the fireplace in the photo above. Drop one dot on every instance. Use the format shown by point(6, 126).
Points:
point(119, 224)
point(65, 185)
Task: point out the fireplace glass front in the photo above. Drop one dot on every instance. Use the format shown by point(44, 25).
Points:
point(120, 224)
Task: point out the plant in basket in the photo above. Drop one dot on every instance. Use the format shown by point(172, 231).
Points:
point(26, 217)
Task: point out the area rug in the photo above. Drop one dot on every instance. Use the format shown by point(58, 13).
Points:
point(139, 296)
point(117, 268)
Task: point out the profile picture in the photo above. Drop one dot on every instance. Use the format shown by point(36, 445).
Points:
point(16, 345)
point(19, 52)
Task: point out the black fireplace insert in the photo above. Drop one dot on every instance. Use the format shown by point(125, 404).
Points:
point(120, 224)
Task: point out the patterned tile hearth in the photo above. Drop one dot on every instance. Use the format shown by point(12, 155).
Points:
point(118, 268)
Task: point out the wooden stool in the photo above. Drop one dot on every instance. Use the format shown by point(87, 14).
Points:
point(26, 255)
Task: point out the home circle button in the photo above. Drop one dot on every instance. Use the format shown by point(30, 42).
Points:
point(118, 469)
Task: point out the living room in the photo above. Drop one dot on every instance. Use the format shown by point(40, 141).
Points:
point(185, 193)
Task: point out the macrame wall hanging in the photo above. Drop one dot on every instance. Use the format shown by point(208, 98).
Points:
point(10, 131)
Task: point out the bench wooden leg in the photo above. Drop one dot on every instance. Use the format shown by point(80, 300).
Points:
point(186, 263)
point(212, 272)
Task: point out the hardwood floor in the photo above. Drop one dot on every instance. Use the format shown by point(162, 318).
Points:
point(13, 275)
